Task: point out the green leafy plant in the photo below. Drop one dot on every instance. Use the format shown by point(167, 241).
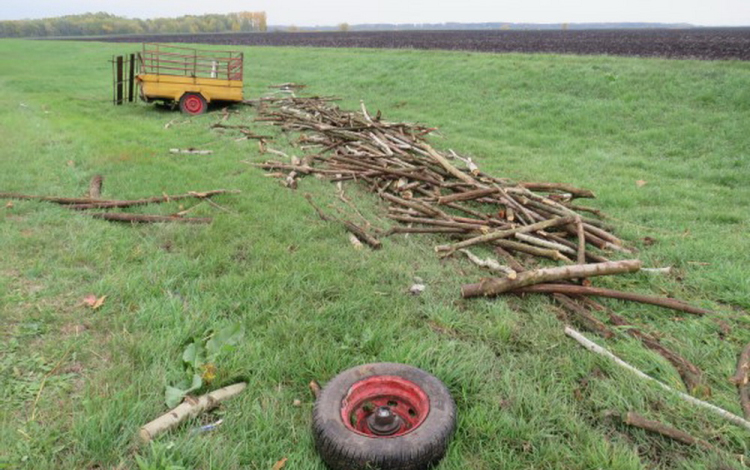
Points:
point(159, 458)
point(199, 359)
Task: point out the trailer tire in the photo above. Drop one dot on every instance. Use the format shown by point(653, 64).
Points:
point(193, 104)
point(346, 445)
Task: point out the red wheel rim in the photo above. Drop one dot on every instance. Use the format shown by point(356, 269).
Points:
point(407, 402)
point(193, 104)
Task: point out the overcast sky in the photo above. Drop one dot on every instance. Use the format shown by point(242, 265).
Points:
point(331, 12)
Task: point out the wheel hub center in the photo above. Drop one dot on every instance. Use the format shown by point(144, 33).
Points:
point(383, 421)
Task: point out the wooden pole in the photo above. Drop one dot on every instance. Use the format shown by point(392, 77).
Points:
point(495, 286)
point(131, 79)
point(118, 81)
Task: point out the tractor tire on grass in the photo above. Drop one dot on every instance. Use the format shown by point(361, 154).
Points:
point(193, 104)
point(383, 416)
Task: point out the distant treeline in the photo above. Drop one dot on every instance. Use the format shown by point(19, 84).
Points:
point(95, 24)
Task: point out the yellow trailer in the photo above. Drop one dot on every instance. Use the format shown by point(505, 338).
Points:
point(191, 77)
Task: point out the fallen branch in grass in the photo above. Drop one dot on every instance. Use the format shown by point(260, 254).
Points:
point(189, 408)
point(56, 200)
point(92, 203)
point(491, 287)
point(151, 200)
point(634, 419)
point(149, 219)
point(570, 289)
point(742, 380)
point(191, 151)
point(595, 348)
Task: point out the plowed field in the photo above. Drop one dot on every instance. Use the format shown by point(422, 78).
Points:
point(708, 44)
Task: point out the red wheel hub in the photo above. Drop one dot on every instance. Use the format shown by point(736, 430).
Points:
point(193, 104)
point(384, 406)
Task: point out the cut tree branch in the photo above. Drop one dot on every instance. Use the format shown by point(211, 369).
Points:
point(570, 289)
point(491, 287)
point(638, 421)
point(189, 408)
point(148, 219)
point(89, 203)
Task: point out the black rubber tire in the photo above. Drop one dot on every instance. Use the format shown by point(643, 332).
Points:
point(186, 96)
point(343, 449)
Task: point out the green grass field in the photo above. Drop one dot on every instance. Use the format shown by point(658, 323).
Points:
point(77, 383)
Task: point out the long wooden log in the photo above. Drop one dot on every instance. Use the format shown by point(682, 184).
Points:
point(55, 199)
point(148, 219)
point(570, 289)
point(491, 287)
point(151, 200)
point(89, 203)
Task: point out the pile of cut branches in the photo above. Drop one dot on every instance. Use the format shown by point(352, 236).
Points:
point(429, 191)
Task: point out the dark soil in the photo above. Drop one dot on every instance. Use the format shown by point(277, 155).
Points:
point(699, 43)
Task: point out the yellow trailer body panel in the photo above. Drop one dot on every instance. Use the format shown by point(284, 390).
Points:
point(172, 87)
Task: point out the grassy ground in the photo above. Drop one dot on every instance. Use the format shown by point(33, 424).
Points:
point(76, 383)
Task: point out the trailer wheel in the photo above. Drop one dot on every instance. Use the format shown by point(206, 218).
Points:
point(193, 103)
point(383, 416)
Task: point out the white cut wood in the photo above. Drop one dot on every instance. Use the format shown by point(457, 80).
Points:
point(490, 287)
point(595, 348)
point(490, 264)
point(355, 242)
point(191, 151)
point(190, 408)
